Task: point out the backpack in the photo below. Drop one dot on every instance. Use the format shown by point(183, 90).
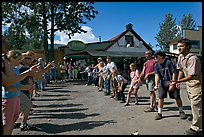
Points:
point(165, 73)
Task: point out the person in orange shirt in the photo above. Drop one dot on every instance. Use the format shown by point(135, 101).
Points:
point(100, 82)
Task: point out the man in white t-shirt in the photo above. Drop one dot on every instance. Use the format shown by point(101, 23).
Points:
point(109, 68)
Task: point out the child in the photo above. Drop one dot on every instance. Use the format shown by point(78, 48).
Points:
point(95, 75)
point(134, 85)
point(122, 84)
point(90, 76)
point(105, 79)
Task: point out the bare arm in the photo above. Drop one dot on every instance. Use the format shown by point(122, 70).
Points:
point(174, 76)
point(187, 78)
point(142, 73)
point(22, 87)
point(6, 81)
point(180, 75)
point(157, 80)
point(180, 79)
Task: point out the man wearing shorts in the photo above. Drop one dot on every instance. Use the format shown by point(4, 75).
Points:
point(148, 74)
point(165, 72)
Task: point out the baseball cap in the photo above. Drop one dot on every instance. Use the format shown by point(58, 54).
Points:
point(99, 58)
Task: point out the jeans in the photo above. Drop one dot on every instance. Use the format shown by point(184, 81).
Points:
point(107, 86)
point(89, 81)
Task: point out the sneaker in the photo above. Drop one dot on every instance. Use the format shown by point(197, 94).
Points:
point(136, 103)
point(135, 133)
point(158, 116)
point(17, 125)
point(106, 94)
point(183, 115)
point(34, 105)
point(123, 101)
point(112, 96)
point(149, 109)
point(37, 95)
point(193, 132)
point(126, 104)
point(27, 127)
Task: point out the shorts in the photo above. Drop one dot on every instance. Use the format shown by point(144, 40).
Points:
point(25, 103)
point(172, 94)
point(27, 93)
point(10, 111)
point(150, 84)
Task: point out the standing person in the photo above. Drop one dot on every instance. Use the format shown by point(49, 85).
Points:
point(189, 67)
point(69, 69)
point(109, 68)
point(100, 78)
point(148, 74)
point(7, 81)
point(53, 73)
point(25, 98)
point(134, 85)
point(105, 79)
point(40, 83)
point(74, 71)
point(95, 75)
point(62, 68)
point(88, 70)
point(165, 72)
point(122, 84)
point(79, 68)
point(9, 78)
point(11, 94)
point(25, 66)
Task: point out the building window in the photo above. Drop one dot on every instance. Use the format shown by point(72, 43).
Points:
point(195, 44)
point(129, 40)
point(174, 46)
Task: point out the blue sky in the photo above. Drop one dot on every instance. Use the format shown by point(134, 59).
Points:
point(145, 17)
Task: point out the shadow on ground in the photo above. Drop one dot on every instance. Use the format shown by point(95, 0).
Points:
point(63, 116)
point(51, 128)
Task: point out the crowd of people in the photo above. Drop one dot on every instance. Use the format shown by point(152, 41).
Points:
point(161, 77)
point(20, 71)
point(23, 76)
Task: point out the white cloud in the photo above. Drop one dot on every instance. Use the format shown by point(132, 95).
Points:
point(64, 39)
point(85, 37)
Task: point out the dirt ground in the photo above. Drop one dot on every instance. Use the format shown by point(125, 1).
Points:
point(75, 109)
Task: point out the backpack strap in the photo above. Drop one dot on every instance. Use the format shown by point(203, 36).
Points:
point(188, 59)
point(167, 69)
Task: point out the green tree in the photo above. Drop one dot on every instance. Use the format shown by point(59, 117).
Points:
point(23, 33)
point(63, 16)
point(187, 22)
point(167, 32)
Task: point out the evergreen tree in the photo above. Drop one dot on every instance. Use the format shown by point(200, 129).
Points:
point(187, 22)
point(167, 32)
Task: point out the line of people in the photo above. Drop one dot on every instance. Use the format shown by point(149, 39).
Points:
point(161, 77)
point(18, 87)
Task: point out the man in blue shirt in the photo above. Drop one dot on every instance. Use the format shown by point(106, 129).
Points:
point(165, 73)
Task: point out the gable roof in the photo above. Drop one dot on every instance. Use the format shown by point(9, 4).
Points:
point(103, 46)
point(117, 37)
point(107, 44)
point(99, 46)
